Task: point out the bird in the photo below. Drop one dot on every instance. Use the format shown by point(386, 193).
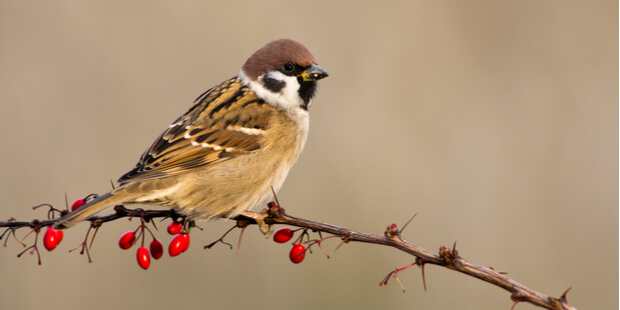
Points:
point(232, 150)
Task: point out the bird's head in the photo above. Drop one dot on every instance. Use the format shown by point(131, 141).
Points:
point(283, 73)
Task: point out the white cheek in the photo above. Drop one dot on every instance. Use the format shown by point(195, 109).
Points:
point(287, 98)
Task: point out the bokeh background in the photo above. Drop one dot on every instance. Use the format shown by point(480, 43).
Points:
point(495, 121)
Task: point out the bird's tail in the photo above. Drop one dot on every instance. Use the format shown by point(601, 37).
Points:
point(89, 209)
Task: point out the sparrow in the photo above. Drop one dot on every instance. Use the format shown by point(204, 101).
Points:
point(237, 142)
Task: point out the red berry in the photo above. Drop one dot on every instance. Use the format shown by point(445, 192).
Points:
point(175, 228)
point(51, 239)
point(177, 245)
point(61, 235)
point(78, 203)
point(297, 254)
point(127, 240)
point(186, 242)
point(157, 249)
point(144, 259)
point(283, 235)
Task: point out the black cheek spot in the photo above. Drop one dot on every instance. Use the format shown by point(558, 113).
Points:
point(273, 85)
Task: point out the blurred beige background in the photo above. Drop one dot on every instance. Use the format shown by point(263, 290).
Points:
point(495, 121)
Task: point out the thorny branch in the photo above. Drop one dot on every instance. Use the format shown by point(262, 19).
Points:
point(448, 258)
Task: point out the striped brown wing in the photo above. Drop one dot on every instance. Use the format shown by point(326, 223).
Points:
point(226, 121)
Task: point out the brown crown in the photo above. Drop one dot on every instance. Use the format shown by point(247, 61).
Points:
point(274, 55)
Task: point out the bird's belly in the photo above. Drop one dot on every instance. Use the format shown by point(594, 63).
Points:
point(230, 190)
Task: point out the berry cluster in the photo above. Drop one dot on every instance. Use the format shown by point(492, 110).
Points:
point(298, 251)
point(128, 239)
point(178, 245)
point(52, 238)
point(179, 228)
point(180, 242)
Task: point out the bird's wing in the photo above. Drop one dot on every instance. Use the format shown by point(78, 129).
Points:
point(207, 134)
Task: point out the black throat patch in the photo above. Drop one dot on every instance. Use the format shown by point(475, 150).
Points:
point(307, 90)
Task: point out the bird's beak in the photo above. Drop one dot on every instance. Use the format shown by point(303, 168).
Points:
point(313, 73)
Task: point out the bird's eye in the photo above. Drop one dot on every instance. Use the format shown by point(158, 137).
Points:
point(288, 67)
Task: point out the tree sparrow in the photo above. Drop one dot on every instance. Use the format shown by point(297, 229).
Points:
point(226, 153)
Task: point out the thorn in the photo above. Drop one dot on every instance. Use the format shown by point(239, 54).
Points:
point(275, 197)
point(514, 304)
point(409, 221)
point(192, 224)
point(240, 237)
point(563, 297)
point(500, 272)
point(274, 209)
point(517, 298)
point(28, 234)
point(154, 226)
point(92, 240)
point(421, 264)
point(339, 245)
